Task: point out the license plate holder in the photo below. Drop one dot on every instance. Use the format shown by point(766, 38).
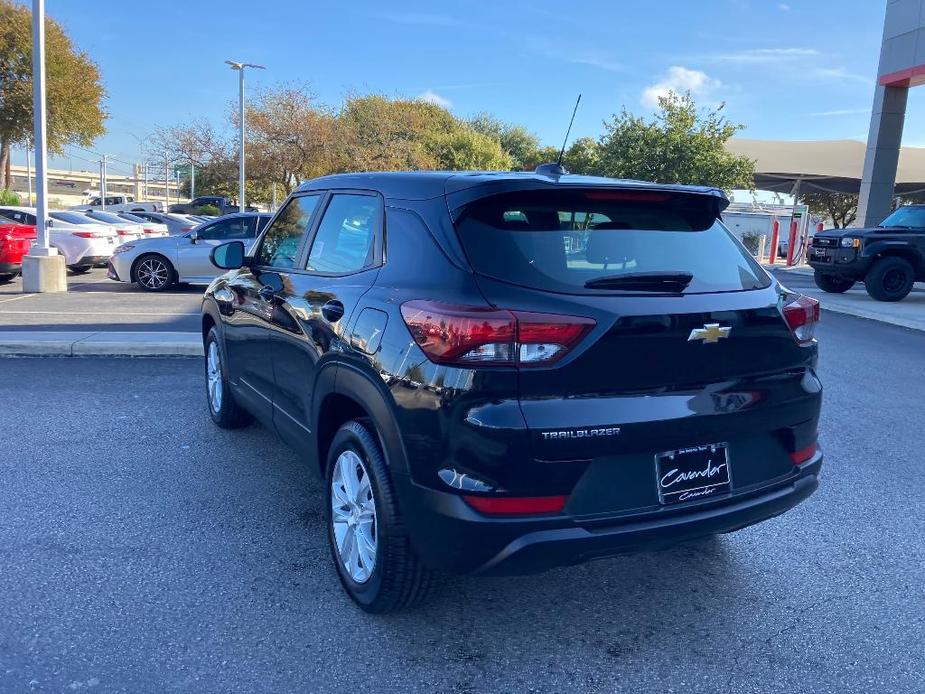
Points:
point(692, 474)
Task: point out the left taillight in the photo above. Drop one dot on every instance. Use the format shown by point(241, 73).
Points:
point(802, 314)
point(469, 335)
point(123, 232)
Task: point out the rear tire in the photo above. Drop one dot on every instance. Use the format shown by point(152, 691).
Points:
point(153, 273)
point(372, 552)
point(4, 279)
point(223, 408)
point(890, 279)
point(80, 270)
point(832, 283)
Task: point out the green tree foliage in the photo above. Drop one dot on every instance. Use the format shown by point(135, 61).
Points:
point(841, 208)
point(74, 91)
point(8, 197)
point(520, 144)
point(583, 157)
point(679, 145)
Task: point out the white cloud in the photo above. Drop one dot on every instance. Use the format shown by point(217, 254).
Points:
point(767, 55)
point(840, 112)
point(434, 98)
point(839, 74)
point(679, 80)
point(783, 7)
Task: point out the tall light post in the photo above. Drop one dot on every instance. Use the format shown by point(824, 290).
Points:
point(43, 269)
point(240, 68)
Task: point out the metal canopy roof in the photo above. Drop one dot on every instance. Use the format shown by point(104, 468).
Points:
point(829, 166)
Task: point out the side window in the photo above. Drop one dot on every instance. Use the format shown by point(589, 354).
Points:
point(215, 232)
point(346, 236)
point(229, 230)
point(283, 237)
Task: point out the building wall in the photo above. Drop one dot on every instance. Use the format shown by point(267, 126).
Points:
point(902, 65)
point(67, 188)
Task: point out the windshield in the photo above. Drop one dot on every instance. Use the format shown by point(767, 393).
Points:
point(72, 217)
point(604, 241)
point(909, 216)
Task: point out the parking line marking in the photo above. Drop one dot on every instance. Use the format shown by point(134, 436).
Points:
point(17, 298)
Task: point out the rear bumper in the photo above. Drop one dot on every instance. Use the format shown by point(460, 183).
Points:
point(7, 268)
point(449, 535)
point(92, 261)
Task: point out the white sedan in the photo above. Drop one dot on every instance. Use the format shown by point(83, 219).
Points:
point(84, 245)
point(156, 264)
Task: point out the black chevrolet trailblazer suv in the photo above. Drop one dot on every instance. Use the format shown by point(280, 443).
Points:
point(504, 372)
point(887, 258)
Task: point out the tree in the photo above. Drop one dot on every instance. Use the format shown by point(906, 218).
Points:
point(841, 208)
point(193, 145)
point(583, 157)
point(680, 145)
point(74, 92)
point(520, 144)
point(464, 149)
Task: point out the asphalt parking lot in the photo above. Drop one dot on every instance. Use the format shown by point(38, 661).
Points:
point(142, 549)
point(94, 302)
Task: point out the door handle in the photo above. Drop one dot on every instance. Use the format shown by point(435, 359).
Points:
point(267, 293)
point(333, 311)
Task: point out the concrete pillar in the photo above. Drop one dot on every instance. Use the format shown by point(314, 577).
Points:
point(882, 156)
point(43, 270)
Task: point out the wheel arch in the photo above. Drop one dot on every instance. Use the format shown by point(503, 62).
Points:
point(904, 251)
point(345, 393)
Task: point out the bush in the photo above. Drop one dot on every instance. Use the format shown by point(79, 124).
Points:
point(751, 241)
point(8, 197)
point(210, 210)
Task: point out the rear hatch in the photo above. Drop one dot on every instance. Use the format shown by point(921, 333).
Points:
point(688, 330)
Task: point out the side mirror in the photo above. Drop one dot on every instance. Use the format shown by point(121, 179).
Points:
point(228, 256)
point(194, 236)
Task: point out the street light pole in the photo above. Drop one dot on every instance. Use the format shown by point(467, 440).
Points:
point(43, 269)
point(240, 68)
point(29, 173)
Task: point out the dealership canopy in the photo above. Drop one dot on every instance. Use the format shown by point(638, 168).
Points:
point(831, 166)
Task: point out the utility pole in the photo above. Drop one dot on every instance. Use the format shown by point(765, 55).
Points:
point(103, 182)
point(43, 269)
point(145, 180)
point(166, 181)
point(29, 173)
point(192, 180)
point(240, 68)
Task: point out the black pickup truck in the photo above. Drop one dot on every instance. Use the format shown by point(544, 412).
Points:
point(224, 205)
point(888, 258)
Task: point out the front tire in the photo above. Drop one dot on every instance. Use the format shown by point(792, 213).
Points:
point(80, 270)
point(890, 279)
point(832, 283)
point(372, 552)
point(223, 408)
point(154, 273)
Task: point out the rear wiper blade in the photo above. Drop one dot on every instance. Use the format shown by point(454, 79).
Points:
point(643, 281)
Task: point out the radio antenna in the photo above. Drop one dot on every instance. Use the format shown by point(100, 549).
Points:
point(567, 132)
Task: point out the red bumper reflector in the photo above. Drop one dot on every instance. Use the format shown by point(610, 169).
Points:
point(516, 505)
point(804, 454)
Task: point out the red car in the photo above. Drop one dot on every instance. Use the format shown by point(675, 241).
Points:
point(15, 240)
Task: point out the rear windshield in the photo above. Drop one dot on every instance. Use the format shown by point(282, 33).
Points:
point(562, 241)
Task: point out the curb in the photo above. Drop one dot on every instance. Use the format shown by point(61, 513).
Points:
point(48, 343)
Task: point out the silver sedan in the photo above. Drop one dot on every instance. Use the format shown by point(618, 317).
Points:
point(156, 264)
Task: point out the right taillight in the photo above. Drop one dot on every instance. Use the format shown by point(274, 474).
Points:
point(802, 314)
point(469, 335)
point(87, 234)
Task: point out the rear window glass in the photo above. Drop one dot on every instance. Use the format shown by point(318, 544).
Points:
point(562, 241)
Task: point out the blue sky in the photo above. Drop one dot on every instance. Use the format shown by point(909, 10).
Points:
point(801, 69)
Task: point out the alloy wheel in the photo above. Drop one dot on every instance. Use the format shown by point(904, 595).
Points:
point(214, 377)
point(353, 515)
point(153, 273)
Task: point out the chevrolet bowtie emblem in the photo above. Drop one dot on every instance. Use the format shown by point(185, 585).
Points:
point(709, 333)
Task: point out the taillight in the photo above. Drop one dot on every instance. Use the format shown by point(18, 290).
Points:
point(185, 228)
point(473, 335)
point(123, 232)
point(516, 505)
point(802, 314)
point(87, 234)
point(804, 454)
point(150, 231)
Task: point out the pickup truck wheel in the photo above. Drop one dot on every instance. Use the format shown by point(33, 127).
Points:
point(375, 562)
point(832, 283)
point(890, 279)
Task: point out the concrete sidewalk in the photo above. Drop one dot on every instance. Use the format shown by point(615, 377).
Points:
point(72, 343)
